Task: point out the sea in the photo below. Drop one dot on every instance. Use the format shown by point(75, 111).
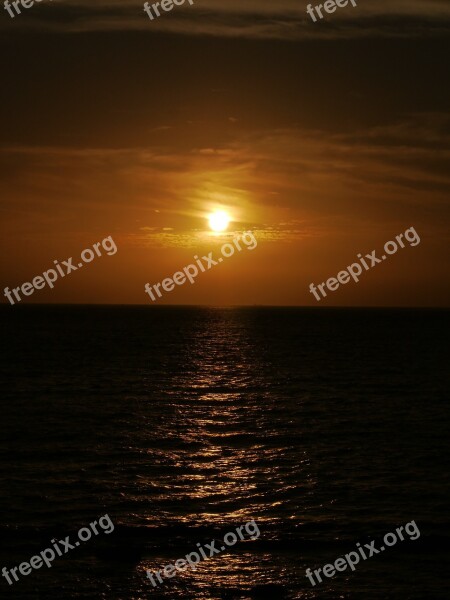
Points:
point(327, 427)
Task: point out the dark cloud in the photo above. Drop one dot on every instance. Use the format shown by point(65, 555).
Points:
point(259, 19)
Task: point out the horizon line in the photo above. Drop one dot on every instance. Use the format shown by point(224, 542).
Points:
point(222, 306)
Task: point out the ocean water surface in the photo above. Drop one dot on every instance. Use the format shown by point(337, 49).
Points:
point(328, 427)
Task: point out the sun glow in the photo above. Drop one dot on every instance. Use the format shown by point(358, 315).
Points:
point(219, 220)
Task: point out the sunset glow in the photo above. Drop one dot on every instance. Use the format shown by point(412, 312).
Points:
point(219, 220)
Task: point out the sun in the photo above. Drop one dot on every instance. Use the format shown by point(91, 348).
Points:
point(219, 220)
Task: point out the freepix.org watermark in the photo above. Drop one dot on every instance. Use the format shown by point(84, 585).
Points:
point(329, 6)
point(191, 271)
point(353, 558)
point(15, 3)
point(355, 269)
point(59, 547)
point(207, 551)
point(166, 5)
point(49, 277)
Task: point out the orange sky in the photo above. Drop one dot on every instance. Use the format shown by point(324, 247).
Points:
point(325, 146)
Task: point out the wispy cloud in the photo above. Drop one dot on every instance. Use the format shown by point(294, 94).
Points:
point(282, 184)
point(258, 19)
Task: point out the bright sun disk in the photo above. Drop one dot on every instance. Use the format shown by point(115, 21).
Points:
point(219, 220)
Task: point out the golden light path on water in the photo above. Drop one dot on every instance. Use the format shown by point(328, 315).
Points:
point(230, 475)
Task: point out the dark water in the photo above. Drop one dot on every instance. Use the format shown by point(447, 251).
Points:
point(328, 427)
